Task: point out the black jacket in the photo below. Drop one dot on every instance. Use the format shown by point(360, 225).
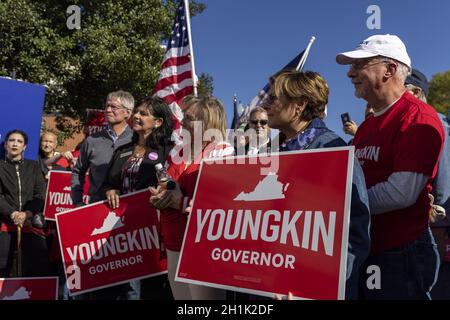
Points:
point(44, 168)
point(147, 172)
point(32, 187)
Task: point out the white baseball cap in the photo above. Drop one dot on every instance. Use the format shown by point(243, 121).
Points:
point(385, 45)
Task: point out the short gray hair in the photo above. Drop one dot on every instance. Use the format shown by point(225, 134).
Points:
point(125, 98)
point(420, 94)
point(403, 70)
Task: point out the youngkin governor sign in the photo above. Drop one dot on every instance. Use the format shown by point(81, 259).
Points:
point(107, 247)
point(285, 231)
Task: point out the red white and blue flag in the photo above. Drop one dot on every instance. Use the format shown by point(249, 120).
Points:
point(258, 101)
point(176, 79)
point(263, 94)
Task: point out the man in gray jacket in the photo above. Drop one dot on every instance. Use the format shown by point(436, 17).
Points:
point(97, 150)
point(95, 154)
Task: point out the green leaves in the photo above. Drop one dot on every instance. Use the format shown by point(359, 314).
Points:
point(117, 47)
point(439, 92)
point(205, 86)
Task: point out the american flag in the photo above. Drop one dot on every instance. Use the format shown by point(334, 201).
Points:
point(175, 79)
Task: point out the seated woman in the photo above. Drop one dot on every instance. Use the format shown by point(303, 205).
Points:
point(206, 114)
point(22, 192)
point(296, 104)
point(132, 168)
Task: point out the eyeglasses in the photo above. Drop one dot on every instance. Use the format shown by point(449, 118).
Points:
point(113, 107)
point(262, 122)
point(358, 65)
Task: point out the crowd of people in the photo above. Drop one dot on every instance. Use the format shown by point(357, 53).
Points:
point(400, 186)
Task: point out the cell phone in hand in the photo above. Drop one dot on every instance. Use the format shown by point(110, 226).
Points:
point(345, 118)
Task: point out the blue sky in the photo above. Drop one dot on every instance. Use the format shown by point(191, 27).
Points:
point(241, 43)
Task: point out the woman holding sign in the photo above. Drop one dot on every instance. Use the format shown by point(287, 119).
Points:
point(204, 122)
point(296, 105)
point(22, 191)
point(132, 168)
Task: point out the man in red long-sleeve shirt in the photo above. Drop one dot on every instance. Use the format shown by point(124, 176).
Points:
point(398, 149)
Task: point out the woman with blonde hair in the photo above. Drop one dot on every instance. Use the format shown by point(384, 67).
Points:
point(204, 126)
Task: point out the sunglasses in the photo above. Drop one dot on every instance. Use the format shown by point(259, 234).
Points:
point(262, 122)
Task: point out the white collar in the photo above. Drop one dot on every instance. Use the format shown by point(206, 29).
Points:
point(379, 113)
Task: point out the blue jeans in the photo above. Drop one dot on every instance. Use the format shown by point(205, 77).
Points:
point(407, 272)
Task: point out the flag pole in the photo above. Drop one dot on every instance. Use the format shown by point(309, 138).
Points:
point(191, 50)
point(235, 113)
point(302, 61)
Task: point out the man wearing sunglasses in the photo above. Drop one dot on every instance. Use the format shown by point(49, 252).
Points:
point(398, 149)
point(259, 140)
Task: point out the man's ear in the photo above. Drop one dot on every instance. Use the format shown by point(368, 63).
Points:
point(391, 70)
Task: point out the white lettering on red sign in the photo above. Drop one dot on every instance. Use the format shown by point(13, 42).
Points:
point(137, 240)
point(276, 260)
point(269, 226)
point(63, 199)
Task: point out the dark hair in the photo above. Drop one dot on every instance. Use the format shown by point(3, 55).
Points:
point(160, 136)
point(22, 133)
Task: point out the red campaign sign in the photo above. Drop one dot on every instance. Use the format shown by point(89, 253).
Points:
point(45, 288)
point(58, 198)
point(96, 120)
point(106, 247)
point(271, 233)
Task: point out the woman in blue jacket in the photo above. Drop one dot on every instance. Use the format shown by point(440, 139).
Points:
point(295, 106)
